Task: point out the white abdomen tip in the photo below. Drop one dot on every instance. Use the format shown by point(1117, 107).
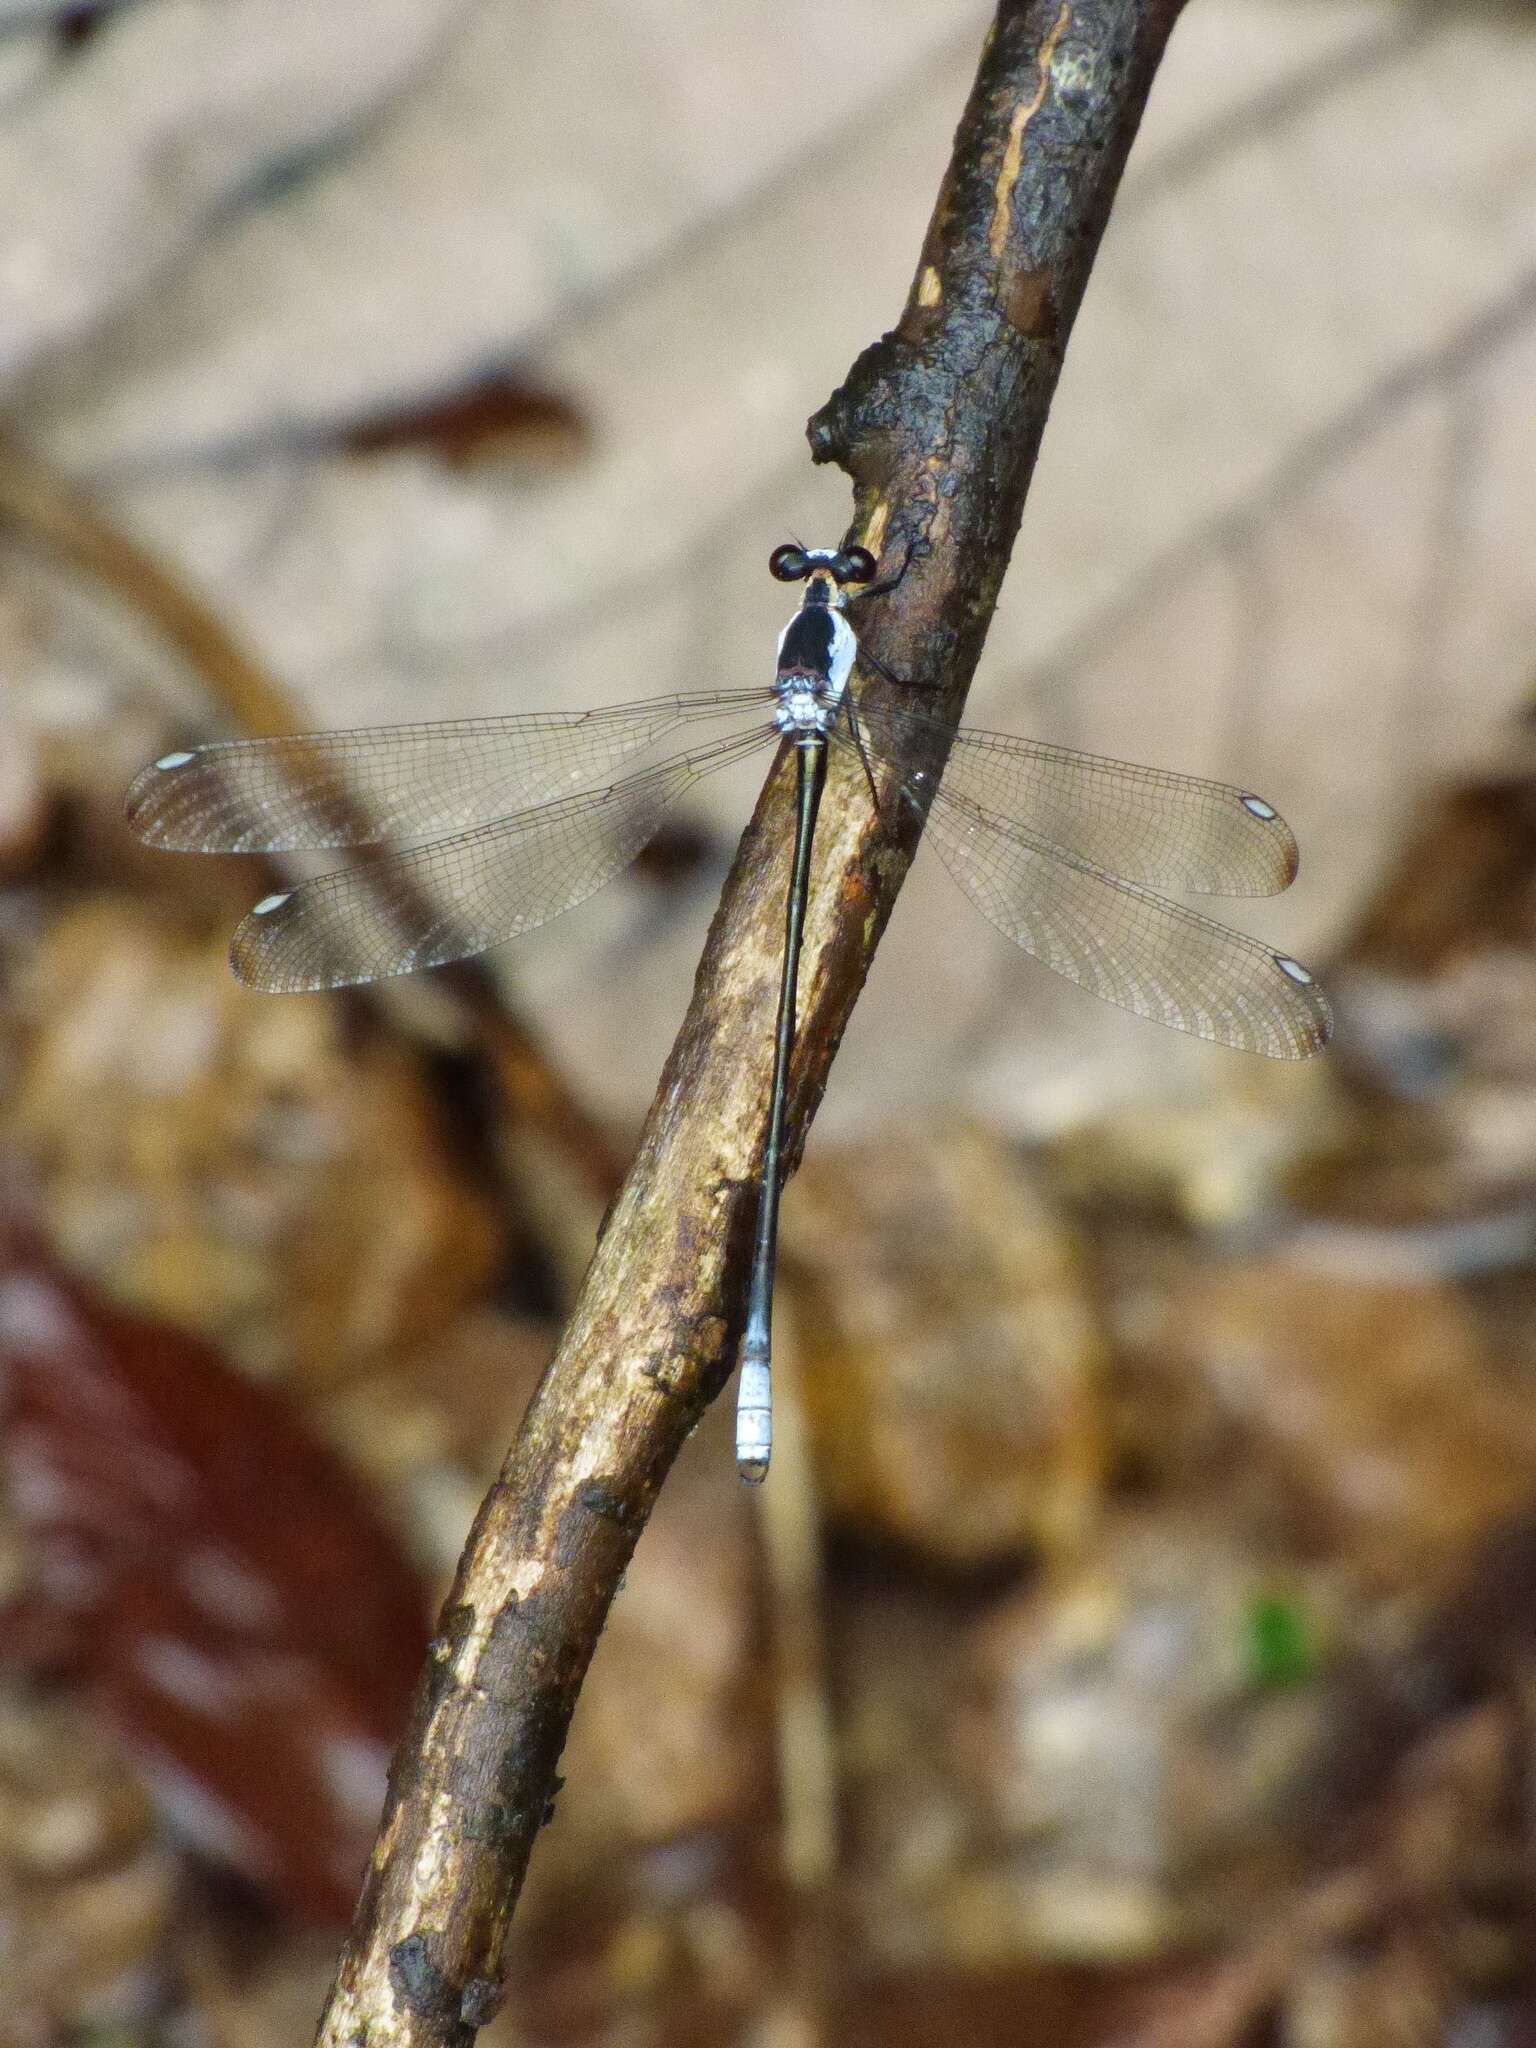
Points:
point(754, 1421)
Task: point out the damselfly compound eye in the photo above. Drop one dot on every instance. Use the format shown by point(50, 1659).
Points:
point(788, 564)
point(854, 565)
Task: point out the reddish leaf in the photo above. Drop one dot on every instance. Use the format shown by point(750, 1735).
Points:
point(494, 418)
point(216, 1578)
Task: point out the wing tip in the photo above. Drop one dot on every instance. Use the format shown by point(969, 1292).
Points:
point(269, 955)
point(1318, 1027)
point(255, 951)
point(1292, 858)
point(1265, 814)
point(143, 799)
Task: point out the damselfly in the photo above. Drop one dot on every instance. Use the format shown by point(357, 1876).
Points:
point(1063, 851)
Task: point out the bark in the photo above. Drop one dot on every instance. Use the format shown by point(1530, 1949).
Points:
point(938, 425)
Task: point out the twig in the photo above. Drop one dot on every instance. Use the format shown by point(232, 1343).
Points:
point(938, 425)
point(43, 509)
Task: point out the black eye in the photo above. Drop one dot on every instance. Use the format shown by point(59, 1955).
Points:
point(788, 564)
point(854, 565)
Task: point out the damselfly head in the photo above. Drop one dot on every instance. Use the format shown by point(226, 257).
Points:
point(793, 563)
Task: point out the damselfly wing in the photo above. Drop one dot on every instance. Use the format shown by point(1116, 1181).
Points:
point(493, 826)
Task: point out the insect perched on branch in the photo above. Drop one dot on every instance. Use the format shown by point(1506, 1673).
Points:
point(1064, 852)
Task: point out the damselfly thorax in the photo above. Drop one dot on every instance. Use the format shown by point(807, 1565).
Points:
point(817, 649)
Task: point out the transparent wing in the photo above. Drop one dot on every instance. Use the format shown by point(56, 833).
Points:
point(1124, 944)
point(454, 897)
point(1143, 824)
point(385, 782)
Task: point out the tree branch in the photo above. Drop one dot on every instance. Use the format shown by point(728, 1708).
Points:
point(938, 425)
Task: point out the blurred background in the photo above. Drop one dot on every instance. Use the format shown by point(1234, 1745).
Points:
point(1133, 1643)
